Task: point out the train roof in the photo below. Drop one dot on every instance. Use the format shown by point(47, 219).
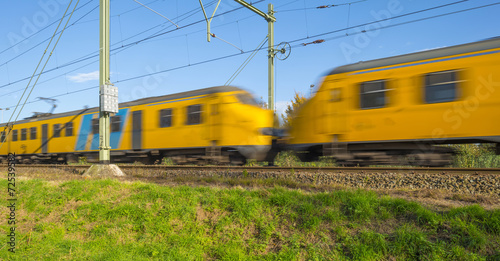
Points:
point(418, 56)
point(174, 96)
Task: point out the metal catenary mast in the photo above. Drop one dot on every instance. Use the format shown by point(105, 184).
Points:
point(270, 50)
point(108, 94)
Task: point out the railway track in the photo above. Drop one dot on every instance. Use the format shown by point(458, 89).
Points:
point(483, 181)
point(411, 170)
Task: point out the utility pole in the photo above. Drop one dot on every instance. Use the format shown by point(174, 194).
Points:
point(270, 55)
point(108, 94)
point(104, 148)
point(108, 100)
point(271, 52)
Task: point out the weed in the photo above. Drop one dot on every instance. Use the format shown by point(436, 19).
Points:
point(413, 244)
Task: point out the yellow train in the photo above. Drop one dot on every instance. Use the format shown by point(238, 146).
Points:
point(377, 111)
point(220, 124)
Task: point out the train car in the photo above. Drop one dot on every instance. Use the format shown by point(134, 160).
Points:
point(220, 124)
point(403, 109)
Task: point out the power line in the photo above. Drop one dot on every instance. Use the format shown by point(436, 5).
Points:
point(118, 50)
point(48, 58)
point(157, 34)
point(191, 24)
point(246, 62)
point(296, 46)
point(40, 43)
point(300, 39)
point(39, 31)
point(382, 27)
point(318, 7)
point(90, 55)
point(74, 23)
point(395, 17)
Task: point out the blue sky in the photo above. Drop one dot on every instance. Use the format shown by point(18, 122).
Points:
point(185, 55)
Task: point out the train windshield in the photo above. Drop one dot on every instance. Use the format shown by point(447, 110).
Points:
point(246, 98)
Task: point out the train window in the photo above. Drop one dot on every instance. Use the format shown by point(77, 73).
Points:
point(33, 133)
point(23, 133)
point(441, 87)
point(193, 114)
point(2, 138)
point(165, 118)
point(95, 126)
point(372, 94)
point(57, 130)
point(116, 122)
point(69, 129)
point(246, 98)
point(14, 135)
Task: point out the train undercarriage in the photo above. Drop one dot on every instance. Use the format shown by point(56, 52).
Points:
point(193, 156)
point(415, 154)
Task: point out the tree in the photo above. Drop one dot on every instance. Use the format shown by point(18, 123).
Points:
point(297, 100)
point(262, 103)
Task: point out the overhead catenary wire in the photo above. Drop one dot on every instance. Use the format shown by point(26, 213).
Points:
point(215, 36)
point(39, 31)
point(190, 24)
point(348, 20)
point(40, 43)
point(8, 125)
point(74, 23)
point(237, 54)
point(296, 40)
point(295, 46)
point(245, 63)
point(46, 62)
point(113, 52)
point(157, 13)
point(96, 53)
point(318, 7)
point(39, 63)
point(395, 17)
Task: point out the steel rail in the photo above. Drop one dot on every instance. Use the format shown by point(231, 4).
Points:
point(441, 170)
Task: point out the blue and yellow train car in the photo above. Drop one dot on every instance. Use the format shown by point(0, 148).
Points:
point(220, 124)
point(373, 112)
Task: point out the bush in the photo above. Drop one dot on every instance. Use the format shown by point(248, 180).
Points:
point(475, 156)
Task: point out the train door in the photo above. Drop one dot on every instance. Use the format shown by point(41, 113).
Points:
point(337, 109)
point(45, 135)
point(214, 119)
point(137, 130)
point(4, 139)
point(319, 114)
point(323, 112)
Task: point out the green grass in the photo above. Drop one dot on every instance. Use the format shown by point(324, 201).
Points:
point(475, 156)
point(112, 220)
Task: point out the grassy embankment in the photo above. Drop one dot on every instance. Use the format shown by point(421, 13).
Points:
point(113, 220)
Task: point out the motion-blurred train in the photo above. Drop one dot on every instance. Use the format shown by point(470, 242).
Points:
point(403, 109)
point(397, 110)
point(219, 124)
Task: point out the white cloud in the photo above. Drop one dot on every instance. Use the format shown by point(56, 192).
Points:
point(281, 106)
point(84, 77)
